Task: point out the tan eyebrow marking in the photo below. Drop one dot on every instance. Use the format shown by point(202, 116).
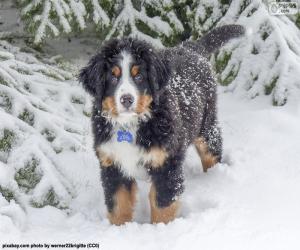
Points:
point(116, 71)
point(135, 70)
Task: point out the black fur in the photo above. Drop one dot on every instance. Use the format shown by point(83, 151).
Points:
point(112, 179)
point(168, 180)
point(215, 39)
point(184, 107)
point(94, 75)
point(101, 128)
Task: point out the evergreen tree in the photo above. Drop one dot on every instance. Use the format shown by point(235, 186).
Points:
point(133, 20)
point(41, 117)
point(45, 18)
point(205, 15)
point(267, 61)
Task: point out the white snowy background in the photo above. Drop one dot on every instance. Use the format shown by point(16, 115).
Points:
point(250, 201)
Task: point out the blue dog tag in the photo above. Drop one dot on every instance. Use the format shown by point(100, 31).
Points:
point(125, 136)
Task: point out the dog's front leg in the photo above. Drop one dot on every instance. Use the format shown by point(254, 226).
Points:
point(119, 193)
point(167, 185)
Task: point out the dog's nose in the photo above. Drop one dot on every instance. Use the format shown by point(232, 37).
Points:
point(126, 100)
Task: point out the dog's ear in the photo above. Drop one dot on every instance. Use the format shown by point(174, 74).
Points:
point(158, 74)
point(93, 76)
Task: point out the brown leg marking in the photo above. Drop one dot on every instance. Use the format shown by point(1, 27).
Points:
point(109, 106)
point(105, 160)
point(157, 157)
point(124, 204)
point(143, 104)
point(165, 214)
point(208, 159)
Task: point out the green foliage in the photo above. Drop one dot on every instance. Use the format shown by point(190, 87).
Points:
point(7, 140)
point(86, 113)
point(276, 103)
point(221, 64)
point(205, 16)
point(27, 117)
point(49, 135)
point(277, 55)
point(2, 81)
point(229, 78)
point(208, 12)
point(222, 61)
point(50, 73)
point(7, 194)
point(298, 20)
point(78, 99)
point(50, 107)
point(265, 31)
point(185, 19)
point(5, 102)
point(179, 10)
point(254, 51)
point(145, 29)
point(244, 4)
point(22, 71)
point(28, 176)
point(42, 19)
point(264, 35)
point(58, 150)
point(269, 87)
point(50, 199)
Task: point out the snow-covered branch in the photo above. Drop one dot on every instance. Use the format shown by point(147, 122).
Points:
point(267, 60)
point(41, 113)
point(53, 17)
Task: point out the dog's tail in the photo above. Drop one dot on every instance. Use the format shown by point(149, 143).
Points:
point(216, 38)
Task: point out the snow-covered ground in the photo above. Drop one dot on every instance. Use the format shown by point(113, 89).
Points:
point(251, 201)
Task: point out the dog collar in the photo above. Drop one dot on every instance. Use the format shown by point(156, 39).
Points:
point(124, 135)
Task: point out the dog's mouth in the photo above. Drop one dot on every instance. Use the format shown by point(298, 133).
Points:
point(127, 113)
point(126, 118)
point(117, 113)
point(126, 110)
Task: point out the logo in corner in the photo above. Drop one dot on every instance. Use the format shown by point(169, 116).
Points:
point(283, 8)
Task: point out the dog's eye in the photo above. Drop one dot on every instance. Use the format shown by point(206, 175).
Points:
point(138, 78)
point(135, 70)
point(116, 71)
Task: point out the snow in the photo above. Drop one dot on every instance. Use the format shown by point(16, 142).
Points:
point(49, 18)
point(59, 16)
point(250, 201)
point(99, 14)
point(129, 16)
point(206, 14)
point(42, 115)
point(79, 11)
point(267, 59)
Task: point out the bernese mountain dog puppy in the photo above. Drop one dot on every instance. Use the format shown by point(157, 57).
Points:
point(149, 107)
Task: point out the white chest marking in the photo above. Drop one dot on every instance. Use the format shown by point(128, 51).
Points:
point(129, 156)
